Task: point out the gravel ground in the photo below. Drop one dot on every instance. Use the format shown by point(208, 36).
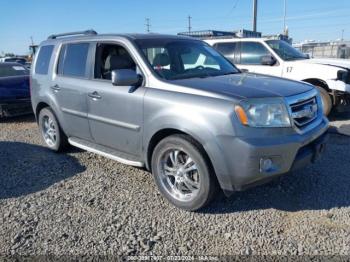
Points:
point(80, 203)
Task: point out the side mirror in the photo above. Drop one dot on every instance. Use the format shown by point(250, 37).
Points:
point(126, 77)
point(268, 60)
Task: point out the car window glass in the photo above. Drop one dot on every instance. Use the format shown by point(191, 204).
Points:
point(181, 59)
point(75, 58)
point(13, 70)
point(252, 53)
point(43, 60)
point(227, 49)
point(111, 57)
point(195, 58)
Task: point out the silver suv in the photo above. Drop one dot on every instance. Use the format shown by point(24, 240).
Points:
point(177, 107)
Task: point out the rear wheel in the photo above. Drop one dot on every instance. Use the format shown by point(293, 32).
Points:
point(182, 173)
point(51, 132)
point(326, 100)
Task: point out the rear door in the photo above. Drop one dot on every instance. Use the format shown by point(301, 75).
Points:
point(69, 88)
point(250, 58)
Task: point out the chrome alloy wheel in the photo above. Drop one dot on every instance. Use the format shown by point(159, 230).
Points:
point(49, 131)
point(179, 175)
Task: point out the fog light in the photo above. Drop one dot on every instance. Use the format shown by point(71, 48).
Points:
point(266, 164)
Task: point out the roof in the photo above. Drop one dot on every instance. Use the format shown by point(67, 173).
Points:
point(131, 37)
point(235, 39)
point(10, 64)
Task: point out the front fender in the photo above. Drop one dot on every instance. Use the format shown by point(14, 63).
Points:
point(199, 128)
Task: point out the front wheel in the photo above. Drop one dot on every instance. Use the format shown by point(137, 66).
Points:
point(51, 132)
point(182, 173)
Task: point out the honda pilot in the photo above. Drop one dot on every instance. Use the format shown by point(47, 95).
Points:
point(176, 107)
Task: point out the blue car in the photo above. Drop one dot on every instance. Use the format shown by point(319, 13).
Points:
point(14, 90)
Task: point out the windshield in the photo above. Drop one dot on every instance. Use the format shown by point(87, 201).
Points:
point(179, 59)
point(285, 50)
point(12, 70)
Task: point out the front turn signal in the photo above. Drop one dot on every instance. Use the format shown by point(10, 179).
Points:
point(242, 116)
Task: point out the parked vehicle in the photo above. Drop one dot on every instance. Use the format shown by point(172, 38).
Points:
point(14, 90)
point(19, 60)
point(278, 58)
point(145, 100)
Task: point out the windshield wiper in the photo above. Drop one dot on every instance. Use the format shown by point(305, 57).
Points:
point(225, 74)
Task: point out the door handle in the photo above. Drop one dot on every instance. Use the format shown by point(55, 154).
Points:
point(56, 88)
point(95, 95)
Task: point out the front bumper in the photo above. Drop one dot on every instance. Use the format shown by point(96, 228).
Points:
point(17, 107)
point(287, 153)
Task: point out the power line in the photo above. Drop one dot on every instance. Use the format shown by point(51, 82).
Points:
point(148, 25)
point(255, 14)
point(189, 24)
point(284, 17)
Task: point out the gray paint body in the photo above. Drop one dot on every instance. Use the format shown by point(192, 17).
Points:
point(125, 119)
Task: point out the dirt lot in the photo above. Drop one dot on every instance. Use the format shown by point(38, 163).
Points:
point(81, 203)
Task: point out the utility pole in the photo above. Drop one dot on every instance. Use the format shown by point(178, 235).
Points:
point(31, 40)
point(284, 17)
point(148, 25)
point(189, 24)
point(342, 35)
point(255, 13)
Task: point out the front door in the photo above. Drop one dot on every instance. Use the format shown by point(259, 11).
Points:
point(115, 112)
point(251, 55)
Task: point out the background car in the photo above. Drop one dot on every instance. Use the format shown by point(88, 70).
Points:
point(19, 60)
point(278, 58)
point(14, 90)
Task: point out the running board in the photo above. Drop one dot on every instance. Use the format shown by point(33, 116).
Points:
point(104, 151)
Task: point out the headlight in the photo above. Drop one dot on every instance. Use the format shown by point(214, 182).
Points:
point(343, 76)
point(263, 113)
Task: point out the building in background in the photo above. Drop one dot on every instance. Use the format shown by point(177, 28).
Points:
point(221, 34)
point(336, 49)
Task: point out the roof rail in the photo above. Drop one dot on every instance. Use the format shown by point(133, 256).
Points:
point(86, 32)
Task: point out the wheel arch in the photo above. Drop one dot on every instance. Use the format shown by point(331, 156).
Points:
point(317, 82)
point(39, 107)
point(163, 133)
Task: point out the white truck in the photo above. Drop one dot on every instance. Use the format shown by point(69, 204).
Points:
point(278, 58)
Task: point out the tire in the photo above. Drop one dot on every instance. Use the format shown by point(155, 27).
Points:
point(51, 131)
point(326, 101)
point(176, 188)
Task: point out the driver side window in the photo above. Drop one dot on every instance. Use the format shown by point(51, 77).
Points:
point(252, 53)
point(111, 57)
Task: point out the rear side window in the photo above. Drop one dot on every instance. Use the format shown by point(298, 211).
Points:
point(72, 60)
point(228, 50)
point(43, 61)
point(12, 70)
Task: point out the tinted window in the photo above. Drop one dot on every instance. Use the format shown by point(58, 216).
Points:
point(285, 50)
point(43, 61)
point(228, 50)
point(12, 70)
point(74, 61)
point(252, 53)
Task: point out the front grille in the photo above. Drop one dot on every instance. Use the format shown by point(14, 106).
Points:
point(304, 112)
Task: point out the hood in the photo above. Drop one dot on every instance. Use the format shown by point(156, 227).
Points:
point(342, 63)
point(246, 86)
